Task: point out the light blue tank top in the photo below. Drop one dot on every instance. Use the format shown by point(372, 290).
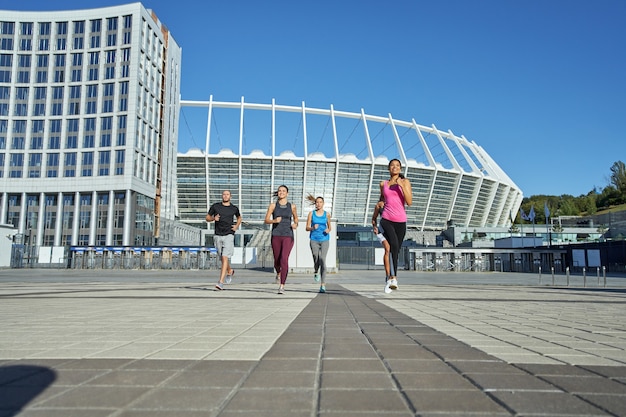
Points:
point(318, 234)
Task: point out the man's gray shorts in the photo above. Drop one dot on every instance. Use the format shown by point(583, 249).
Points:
point(225, 245)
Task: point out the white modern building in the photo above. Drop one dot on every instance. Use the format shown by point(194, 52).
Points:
point(252, 148)
point(89, 103)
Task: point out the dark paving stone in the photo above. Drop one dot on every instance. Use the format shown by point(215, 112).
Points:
point(93, 364)
point(608, 371)
point(132, 378)
point(615, 404)
point(546, 403)
point(550, 369)
point(356, 380)
point(419, 365)
point(460, 351)
point(287, 365)
point(510, 382)
point(281, 400)
point(88, 397)
point(587, 384)
point(361, 400)
point(277, 379)
point(199, 379)
point(218, 366)
point(65, 412)
point(460, 401)
point(495, 366)
point(294, 350)
point(433, 381)
point(352, 350)
point(352, 365)
point(182, 399)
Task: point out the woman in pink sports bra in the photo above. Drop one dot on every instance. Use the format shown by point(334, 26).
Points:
point(396, 192)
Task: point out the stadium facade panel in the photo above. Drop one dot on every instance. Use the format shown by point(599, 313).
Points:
point(341, 156)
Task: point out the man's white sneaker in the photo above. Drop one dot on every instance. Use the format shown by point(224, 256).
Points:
point(393, 284)
point(387, 288)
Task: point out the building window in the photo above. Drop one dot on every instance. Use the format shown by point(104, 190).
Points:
point(16, 165)
point(70, 165)
point(104, 162)
point(119, 162)
point(87, 164)
point(52, 165)
point(34, 165)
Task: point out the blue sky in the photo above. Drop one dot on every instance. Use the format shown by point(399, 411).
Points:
point(539, 84)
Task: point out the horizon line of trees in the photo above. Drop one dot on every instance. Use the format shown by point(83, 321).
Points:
point(614, 194)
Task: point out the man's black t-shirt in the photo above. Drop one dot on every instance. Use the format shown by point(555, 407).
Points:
point(228, 215)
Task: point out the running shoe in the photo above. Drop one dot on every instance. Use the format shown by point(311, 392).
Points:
point(281, 290)
point(219, 286)
point(388, 290)
point(316, 277)
point(393, 284)
point(229, 277)
point(322, 288)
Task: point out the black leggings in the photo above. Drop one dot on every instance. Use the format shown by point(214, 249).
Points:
point(394, 233)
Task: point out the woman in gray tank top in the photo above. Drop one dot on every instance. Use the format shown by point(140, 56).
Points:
point(283, 217)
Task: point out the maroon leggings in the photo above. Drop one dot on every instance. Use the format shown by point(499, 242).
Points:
point(281, 246)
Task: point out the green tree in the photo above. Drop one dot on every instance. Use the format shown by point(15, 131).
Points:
point(618, 177)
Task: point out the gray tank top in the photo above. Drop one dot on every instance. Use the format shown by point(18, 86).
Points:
point(284, 227)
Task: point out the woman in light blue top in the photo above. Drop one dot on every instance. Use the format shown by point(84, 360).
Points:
point(318, 223)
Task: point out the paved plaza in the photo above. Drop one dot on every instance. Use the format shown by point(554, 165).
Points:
point(97, 343)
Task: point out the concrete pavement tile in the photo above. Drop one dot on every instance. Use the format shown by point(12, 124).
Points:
point(349, 350)
point(569, 370)
point(459, 351)
point(272, 399)
point(266, 413)
point(587, 384)
point(608, 371)
point(510, 382)
point(198, 379)
point(404, 351)
point(181, 399)
point(90, 396)
point(615, 404)
point(287, 365)
point(278, 379)
point(446, 402)
point(352, 365)
point(486, 367)
point(356, 380)
point(433, 381)
point(418, 365)
point(546, 404)
point(131, 378)
point(330, 413)
point(294, 350)
point(162, 413)
point(64, 412)
point(158, 364)
point(218, 366)
point(353, 402)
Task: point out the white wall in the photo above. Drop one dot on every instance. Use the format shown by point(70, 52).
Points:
point(6, 243)
point(301, 260)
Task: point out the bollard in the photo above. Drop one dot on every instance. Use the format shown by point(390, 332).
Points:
point(584, 277)
point(539, 275)
point(604, 273)
point(552, 270)
point(567, 273)
point(598, 274)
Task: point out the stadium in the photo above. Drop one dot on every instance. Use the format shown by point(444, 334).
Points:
point(252, 148)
